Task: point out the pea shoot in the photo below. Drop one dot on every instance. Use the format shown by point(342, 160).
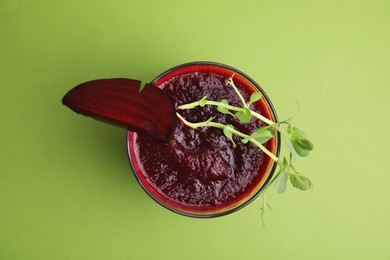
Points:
point(295, 139)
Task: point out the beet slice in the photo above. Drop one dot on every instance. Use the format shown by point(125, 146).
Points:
point(118, 102)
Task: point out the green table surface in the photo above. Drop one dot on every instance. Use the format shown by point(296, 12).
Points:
point(66, 187)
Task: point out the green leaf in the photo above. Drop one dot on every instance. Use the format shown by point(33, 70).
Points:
point(223, 110)
point(300, 182)
point(229, 134)
point(282, 176)
point(295, 133)
point(244, 115)
point(301, 145)
point(203, 101)
point(305, 144)
point(300, 151)
point(256, 96)
point(262, 135)
point(282, 182)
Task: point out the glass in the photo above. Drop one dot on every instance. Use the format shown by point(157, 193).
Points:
point(265, 175)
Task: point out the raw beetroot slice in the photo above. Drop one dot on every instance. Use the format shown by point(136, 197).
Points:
point(118, 102)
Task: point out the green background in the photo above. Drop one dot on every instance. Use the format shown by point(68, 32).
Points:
point(66, 188)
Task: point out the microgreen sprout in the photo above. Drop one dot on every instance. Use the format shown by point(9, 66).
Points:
point(230, 82)
point(294, 138)
point(228, 130)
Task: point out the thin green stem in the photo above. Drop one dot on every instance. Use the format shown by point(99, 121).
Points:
point(190, 105)
point(230, 81)
point(211, 103)
point(265, 150)
point(227, 106)
point(262, 118)
point(234, 131)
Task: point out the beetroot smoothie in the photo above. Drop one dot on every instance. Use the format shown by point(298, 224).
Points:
point(198, 172)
